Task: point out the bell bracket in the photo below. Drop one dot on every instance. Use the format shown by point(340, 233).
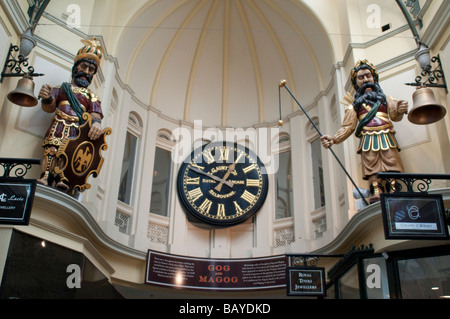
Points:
point(432, 76)
point(14, 67)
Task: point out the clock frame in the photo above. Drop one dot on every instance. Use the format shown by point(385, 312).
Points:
point(222, 184)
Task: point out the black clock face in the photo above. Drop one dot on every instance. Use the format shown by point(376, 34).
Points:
point(222, 184)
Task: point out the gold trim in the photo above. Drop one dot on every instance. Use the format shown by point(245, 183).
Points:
point(65, 102)
point(66, 117)
point(377, 128)
point(381, 115)
point(377, 131)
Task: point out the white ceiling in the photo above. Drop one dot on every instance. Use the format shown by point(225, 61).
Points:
point(220, 61)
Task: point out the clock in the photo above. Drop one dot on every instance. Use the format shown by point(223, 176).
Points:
point(222, 184)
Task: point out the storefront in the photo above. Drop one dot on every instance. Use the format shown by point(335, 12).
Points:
point(421, 273)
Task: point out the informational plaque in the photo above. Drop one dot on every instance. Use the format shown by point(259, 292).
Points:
point(306, 281)
point(413, 216)
point(16, 200)
point(216, 274)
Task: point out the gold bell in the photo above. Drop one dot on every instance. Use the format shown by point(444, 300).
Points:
point(425, 108)
point(23, 95)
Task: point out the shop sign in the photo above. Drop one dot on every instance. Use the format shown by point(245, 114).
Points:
point(306, 281)
point(16, 200)
point(216, 274)
point(413, 216)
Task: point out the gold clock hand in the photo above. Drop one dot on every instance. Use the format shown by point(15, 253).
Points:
point(230, 184)
point(230, 168)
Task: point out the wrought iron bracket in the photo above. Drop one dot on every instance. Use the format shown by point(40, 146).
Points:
point(432, 76)
point(16, 167)
point(396, 182)
point(415, 7)
point(14, 67)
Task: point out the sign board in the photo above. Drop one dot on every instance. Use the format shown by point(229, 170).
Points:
point(216, 274)
point(306, 281)
point(413, 216)
point(16, 200)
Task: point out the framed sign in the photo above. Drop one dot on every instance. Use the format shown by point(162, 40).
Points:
point(413, 216)
point(306, 281)
point(16, 200)
point(216, 274)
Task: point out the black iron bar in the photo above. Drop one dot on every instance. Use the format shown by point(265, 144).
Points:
point(9, 164)
point(384, 175)
point(320, 134)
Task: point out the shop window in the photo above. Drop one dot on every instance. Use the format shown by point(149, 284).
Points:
point(38, 269)
point(421, 273)
point(349, 284)
point(425, 278)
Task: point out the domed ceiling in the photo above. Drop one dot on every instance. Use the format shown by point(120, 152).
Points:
point(221, 61)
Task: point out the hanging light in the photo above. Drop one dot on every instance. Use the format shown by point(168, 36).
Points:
point(423, 56)
point(27, 43)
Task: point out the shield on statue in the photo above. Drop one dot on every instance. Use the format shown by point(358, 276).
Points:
point(81, 157)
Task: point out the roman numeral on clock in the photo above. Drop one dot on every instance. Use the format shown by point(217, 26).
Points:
point(249, 168)
point(249, 197)
point(253, 182)
point(221, 210)
point(193, 181)
point(224, 153)
point(209, 157)
point(195, 194)
point(206, 206)
point(238, 208)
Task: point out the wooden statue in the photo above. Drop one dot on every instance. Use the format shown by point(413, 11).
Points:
point(370, 114)
point(77, 120)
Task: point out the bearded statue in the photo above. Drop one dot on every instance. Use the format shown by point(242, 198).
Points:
point(69, 101)
point(370, 116)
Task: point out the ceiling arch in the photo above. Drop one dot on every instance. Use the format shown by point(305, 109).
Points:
point(220, 61)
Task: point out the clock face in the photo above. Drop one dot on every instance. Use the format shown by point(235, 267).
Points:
point(222, 184)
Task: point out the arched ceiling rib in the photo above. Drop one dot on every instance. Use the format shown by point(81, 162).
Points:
point(171, 46)
point(196, 59)
point(220, 61)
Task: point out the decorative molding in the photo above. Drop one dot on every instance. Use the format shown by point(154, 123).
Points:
point(437, 24)
point(17, 17)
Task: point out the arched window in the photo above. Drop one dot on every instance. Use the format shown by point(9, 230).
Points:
point(317, 164)
point(130, 154)
point(162, 172)
point(283, 178)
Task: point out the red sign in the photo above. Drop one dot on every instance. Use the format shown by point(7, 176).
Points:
point(216, 274)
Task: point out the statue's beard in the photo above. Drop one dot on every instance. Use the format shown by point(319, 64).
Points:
point(82, 79)
point(370, 97)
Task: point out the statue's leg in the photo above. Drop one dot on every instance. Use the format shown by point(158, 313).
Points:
point(48, 165)
point(60, 182)
point(376, 188)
